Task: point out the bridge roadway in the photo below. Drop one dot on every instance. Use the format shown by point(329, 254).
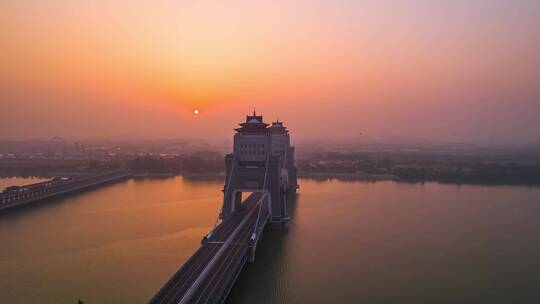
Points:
point(193, 282)
point(26, 194)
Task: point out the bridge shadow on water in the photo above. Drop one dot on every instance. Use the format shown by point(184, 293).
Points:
point(261, 281)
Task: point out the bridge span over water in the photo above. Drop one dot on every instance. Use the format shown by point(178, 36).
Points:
point(208, 276)
point(16, 196)
point(262, 164)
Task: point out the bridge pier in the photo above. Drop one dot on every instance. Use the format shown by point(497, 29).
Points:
point(259, 177)
point(262, 160)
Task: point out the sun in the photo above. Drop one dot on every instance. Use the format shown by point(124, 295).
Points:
point(196, 112)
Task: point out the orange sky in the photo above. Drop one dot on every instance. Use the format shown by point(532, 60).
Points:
point(417, 70)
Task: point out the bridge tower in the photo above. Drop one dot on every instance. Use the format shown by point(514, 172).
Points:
point(262, 161)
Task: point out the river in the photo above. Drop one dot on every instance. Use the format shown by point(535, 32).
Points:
point(347, 242)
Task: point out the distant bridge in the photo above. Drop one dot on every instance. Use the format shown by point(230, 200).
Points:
point(21, 195)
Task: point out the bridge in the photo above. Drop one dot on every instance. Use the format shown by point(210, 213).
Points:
point(16, 196)
point(211, 271)
point(261, 166)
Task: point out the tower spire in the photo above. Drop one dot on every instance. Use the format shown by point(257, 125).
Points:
point(254, 114)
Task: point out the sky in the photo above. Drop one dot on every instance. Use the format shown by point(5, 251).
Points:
point(417, 70)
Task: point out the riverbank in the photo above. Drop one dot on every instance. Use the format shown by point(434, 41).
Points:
point(356, 176)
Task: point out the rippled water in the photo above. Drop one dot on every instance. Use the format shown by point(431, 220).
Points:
point(347, 242)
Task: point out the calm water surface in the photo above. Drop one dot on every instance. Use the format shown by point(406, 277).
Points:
point(347, 242)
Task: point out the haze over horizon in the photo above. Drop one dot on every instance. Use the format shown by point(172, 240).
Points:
point(413, 70)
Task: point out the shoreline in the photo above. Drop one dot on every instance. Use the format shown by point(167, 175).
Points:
point(314, 176)
point(359, 176)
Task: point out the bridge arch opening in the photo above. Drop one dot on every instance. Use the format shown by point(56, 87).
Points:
point(240, 197)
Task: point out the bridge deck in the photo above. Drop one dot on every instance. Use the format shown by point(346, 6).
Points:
point(26, 194)
point(213, 287)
